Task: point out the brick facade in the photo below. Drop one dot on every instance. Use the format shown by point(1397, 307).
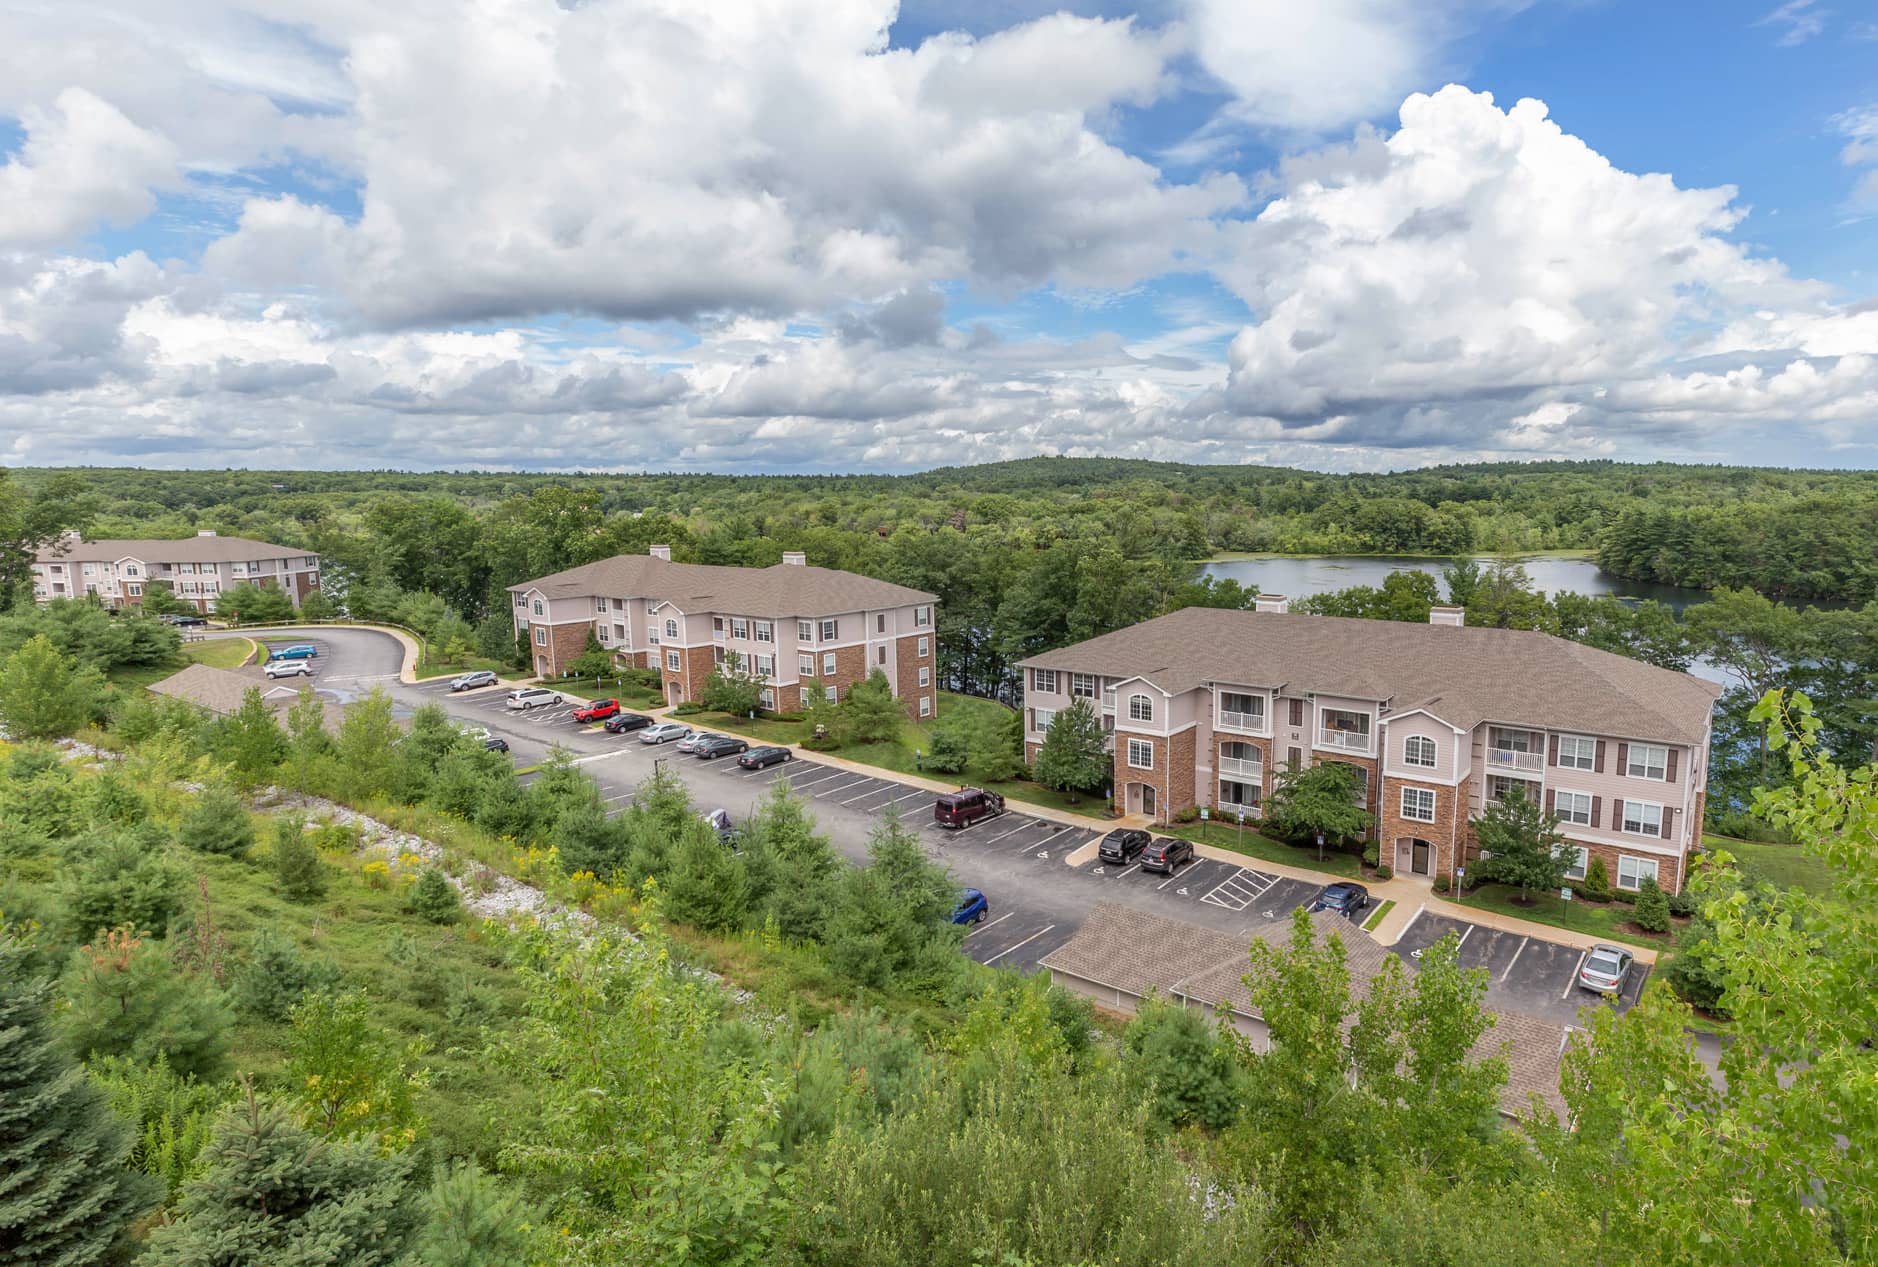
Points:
point(565, 643)
point(695, 665)
point(907, 663)
point(1172, 777)
point(850, 667)
point(1397, 834)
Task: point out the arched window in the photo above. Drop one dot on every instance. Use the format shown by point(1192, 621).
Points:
point(1419, 750)
point(671, 629)
point(1140, 708)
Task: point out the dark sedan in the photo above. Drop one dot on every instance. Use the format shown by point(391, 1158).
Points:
point(495, 743)
point(1166, 854)
point(1344, 898)
point(758, 758)
point(713, 746)
point(624, 722)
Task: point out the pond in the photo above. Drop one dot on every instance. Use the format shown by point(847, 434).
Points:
point(1295, 576)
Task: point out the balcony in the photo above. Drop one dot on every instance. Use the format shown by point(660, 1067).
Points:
point(1516, 760)
point(1253, 723)
point(1242, 771)
point(1108, 701)
point(1347, 740)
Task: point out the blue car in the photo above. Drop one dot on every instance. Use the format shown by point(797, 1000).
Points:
point(298, 651)
point(972, 908)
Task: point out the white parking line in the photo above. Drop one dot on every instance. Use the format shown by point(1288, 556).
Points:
point(1124, 874)
point(832, 774)
point(843, 787)
point(1583, 955)
point(982, 927)
point(1019, 946)
point(863, 796)
point(620, 796)
point(1051, 840)
point(1515, 959)
point(915, 794)
point(1463, 940)
point(1020, 827)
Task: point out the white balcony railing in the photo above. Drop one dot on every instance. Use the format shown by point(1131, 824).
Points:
point(1232, 768)
point(1241, 721)
point(1350, 740)
point(1108, 701)
point(1513, 759)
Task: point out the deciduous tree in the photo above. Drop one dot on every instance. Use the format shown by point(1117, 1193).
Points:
point(1528, 850)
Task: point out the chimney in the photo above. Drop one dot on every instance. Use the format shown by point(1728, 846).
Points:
point(661, 552)
point(1456, 616)
point(1271, 603)
point(205, 532)
point(795, 558)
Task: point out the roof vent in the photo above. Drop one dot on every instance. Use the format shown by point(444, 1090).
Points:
point(795, 558)
point(661, 552)
point(1456, 616)
point(205, 532)
point(1271, 603)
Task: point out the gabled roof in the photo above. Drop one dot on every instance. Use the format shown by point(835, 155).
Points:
point(221, 691)
point(216, 549)
point(782, 590)
point(1461, 674)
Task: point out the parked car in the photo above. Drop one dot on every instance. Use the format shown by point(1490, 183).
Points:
point(758, 758)
point(527, 697)
point(1606, 970)
point(495, 743)
point(470, 681)
point(966, 806)
point(287, 668)
point(182, 621)
point(1342, 897)
point(1122, 845)
point(712, 747)
point(664, 732)
point(597, 710)
point(691, 741)
point(1166, 854)
point(620, 723)
point(298, 651)
point(721, 824)
point(972, 908)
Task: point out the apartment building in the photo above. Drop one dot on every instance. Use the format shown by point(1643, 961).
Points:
point(195, 569)
point(807, 630)
point(1205, 707)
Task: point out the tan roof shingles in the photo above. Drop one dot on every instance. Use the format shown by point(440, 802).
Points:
point(783, 589)
point(216, 549)
point(1463, 675)
point(221, 691)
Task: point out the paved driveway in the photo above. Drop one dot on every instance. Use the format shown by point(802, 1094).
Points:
point(1524, 973)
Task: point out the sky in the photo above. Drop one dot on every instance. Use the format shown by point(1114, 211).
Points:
point(841, 235)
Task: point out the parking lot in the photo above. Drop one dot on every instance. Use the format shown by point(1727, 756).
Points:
point(1524, 973)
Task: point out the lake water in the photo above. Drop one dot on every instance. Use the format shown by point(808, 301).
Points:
point(1295, 577)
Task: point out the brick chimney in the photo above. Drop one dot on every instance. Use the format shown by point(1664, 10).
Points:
point(1456, 616)
point(795, 558)
point(1271, 603)
point(661, 552)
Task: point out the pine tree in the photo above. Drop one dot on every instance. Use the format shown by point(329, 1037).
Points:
point(45, 694)
point(251, 741)
point(435, 899)
point(473, 1220)
point(217, 822)
point(273, 1193)
point(66, 1197)
point(298, 868)
point(128, 998)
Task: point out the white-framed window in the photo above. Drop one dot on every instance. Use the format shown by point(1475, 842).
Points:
point(923, 647)
point(1041, 719)
point(538, 610)
point(805, 664)
point(309, 561)
point(804, 692)
point(136, 591)
point(805, 631)
point(1632, 872)
point(1140, 708)
point(828, 693)
point(130, 569)
point(652, 606)
point(1577, 752)
point(1419, 750)
point(1581, 860)
point(765, 632)
point(672, 661)
point(831, 629)
point(1643, 819)
point(1648, 761)
point(880, 622)
point(671, 629)
point(599, 604)
point(925, 706)
point(541, 636)
point(765, 665)
point(599, 631)
point(1418, 804)
point(828, 664)
point(925, 675)
point(619, 632)
point(1140, 754)
point(739, 627)
point(521, 600)
point(1236, 795)
point(717, 628)
point(1043, 681)
point(91, 569)
point(1572, 807)
point(922, 616)
point(1082, 685)
point(766, 699)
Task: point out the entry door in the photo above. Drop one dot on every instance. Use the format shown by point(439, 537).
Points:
point(1419, 857)
point(1147, 798)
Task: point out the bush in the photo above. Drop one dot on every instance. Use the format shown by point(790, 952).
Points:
point(434, 898)
point(1597, 882)
point(122, 880)
point(687, 709)
point(950, 751)
point(275, 977)
point(1186, 1062)
point(1684, 904)
point(1442, 884)
point(1695, 971)
point(1385, 872)
point(1372, 854)
point(1191, 814)
point(1652, 913)
point(218, 823)
point(1743, 825)
point(297, 865)
point(128, 998)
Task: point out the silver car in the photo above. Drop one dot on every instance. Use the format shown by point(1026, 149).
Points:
point(1606, 970)
point(691, 741)
point(470, 681)
point(287, 668)
point(664, 732)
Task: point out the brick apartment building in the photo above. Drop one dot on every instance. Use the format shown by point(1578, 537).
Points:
point(806, 629)
point(1206, 706)
point(194, 569)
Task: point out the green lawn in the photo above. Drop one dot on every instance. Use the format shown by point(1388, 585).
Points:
point(1376, 916)
point(629, 694)
point(219, 653)
point(1783, 866)
point(430, 667)
point(1254, 845)
point(1608, 920)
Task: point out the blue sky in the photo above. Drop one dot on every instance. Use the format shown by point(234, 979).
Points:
point(782, 236)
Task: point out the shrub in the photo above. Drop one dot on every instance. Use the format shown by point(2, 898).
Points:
point(687, 709)
point(1443, 884)
point(949, 752)
point(275, 976)
point(1683, 904)
point(1186, 1062)
point(434, 899)
point(1372, 854)
point(1743, 825)
point(122, 879)
point(128, 998)
point(1191, 814)
point(1597, 881)
point(1695, 971)
point(1385, 872)
point(297, 865)
point(218, 823)
point(1652, 913)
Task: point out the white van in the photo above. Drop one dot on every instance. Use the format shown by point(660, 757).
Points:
point(527, 697)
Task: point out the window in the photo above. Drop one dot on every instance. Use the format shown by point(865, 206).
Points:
point(1418, 804)
point(828, 693)
point(1419, 750)
point(538, 607)
point(1082, 685)
point(599, 631)
point(831, 629)
point(136, 591)
point(671, 629)
point(1040, 719)
point(828, 664)
point(672, 661)
point(717, 628)
point(1241, 711)
point(1140, 708)
point(805, 632)
point(765, 631)
point(1576, 752)
point(806, 696)
point(541, 635)
point(1580, 861)
point(765, 665)
point(925, 675)
point(1632, 872)
point(717, 655)
point(1297, 712)
point(619, 632)
point(130, 569)
point(1237, 796)
point(599, 604)
point(1572, 807)
point(805, 664)
point(739, 627)
point(1643, 819)
point(922, 649)
point(880, 622)
point(925, 706)
point(1043, 680)
point(880, 655)
point(1140, 754)
point(91, 569)
point(652, 606)
point(1647, 761)
point(922, 616)
point(619, 605)
point(766, 698)
point(521, 600)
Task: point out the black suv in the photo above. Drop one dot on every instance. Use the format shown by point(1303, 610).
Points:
point(1166, 854)
point(1122, 845)
point(713, 746)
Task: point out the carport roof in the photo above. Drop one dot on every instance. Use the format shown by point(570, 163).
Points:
point(1463, 675)
point(1134, 951)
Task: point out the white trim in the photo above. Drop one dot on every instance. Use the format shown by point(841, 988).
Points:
point(1655, 873)
point(1560, 791)
point(1623, 822)
point(1130, 755)
point(1418, 793)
